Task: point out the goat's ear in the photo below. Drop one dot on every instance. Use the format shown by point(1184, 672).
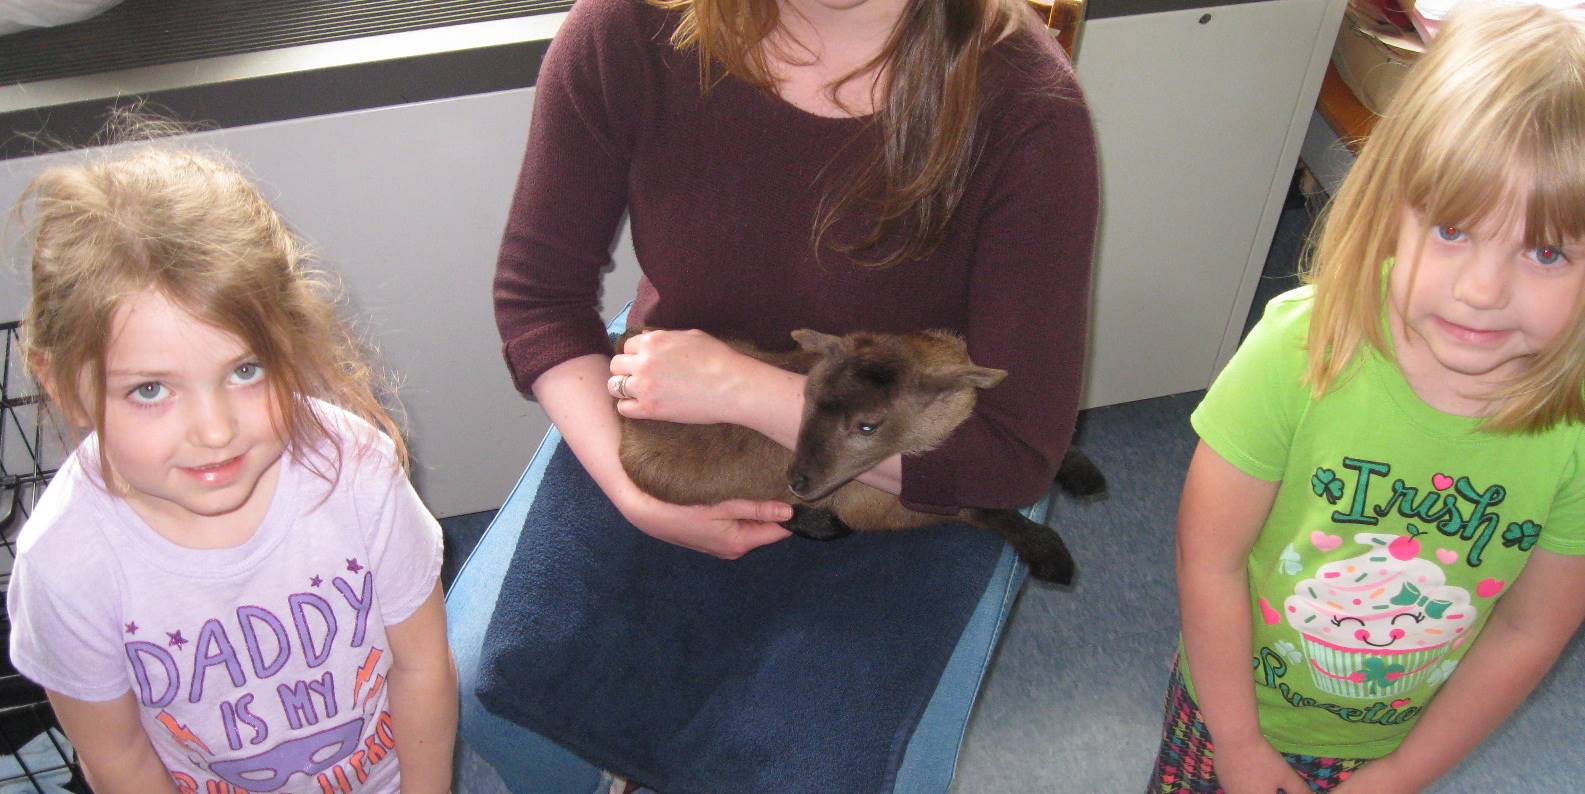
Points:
point(960, 375)
point(816, 342)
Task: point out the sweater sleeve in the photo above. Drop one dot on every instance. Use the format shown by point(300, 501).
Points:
point(1028, 314)
point(571, 192)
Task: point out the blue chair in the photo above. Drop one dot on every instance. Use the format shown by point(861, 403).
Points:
point(529, 762)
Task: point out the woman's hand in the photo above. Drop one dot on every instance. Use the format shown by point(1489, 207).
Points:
point(1256, 768)
point(727, 530)
point(681, 376)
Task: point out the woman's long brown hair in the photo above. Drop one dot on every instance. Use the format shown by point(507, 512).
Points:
point(909, 187)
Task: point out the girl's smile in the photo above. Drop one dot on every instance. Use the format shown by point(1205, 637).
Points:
point(1478, 337)
point(216, 474)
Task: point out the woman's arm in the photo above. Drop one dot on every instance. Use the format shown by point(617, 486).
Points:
point(1529, 628)
point(1027, 311)
point(573, 394)
point(1219, 520)
point(423, 697)
point(116, 754)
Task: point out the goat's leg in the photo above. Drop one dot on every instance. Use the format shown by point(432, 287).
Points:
point(816, 524)
point(1040, 546)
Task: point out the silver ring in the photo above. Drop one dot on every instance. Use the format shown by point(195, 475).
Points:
point(621, 388)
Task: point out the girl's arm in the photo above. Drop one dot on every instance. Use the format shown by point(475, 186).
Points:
point(115, 752)
point(694, 378)
point(423, 697)
point(1219, 520)
point(573, 394)
point(1528, 629)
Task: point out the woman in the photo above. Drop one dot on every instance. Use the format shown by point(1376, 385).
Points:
point(888, 165)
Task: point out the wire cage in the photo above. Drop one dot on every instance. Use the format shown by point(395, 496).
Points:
point(34, 753)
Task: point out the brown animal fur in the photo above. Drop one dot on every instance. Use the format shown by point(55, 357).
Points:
point(868, 396)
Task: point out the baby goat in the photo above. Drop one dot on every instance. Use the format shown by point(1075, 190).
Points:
point(868, 396)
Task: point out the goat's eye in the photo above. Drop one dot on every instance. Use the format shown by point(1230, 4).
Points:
point(867, 428)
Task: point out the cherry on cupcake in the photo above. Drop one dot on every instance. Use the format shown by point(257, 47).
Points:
point(1408, 546)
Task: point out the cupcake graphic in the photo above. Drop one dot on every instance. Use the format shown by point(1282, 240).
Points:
point(1376, 625)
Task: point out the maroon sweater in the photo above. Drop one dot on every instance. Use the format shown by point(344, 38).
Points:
point(722, 192)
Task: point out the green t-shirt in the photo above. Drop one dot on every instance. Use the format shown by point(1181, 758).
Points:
point(1395, 530)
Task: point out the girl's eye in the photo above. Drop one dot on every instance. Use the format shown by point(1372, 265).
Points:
point(250, 372)
point(1449, 233)
point(149, 393)
point(1548, 255)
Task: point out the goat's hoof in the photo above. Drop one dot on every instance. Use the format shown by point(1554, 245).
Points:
point(1090, 495)
point(1080, 478)
point(816, 524)
point(1055, 568)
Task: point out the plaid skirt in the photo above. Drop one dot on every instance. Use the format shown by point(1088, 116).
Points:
point(1185, 762)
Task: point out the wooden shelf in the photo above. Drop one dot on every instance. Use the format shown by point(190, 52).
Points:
point(1349, 117)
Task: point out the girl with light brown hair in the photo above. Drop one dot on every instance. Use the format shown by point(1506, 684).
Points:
point(196, 588)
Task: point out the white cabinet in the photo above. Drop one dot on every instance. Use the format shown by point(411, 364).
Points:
point(1199, 115)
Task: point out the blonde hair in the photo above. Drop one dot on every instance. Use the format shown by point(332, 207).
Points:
point(912, 184)
point(191, 226)
point(1492, 116)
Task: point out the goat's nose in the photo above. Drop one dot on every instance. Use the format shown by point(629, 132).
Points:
point(798, 481)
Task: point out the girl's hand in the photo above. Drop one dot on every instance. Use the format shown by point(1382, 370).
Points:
point(727, 530)
point(1256, 769)
point(681, 376)
point(1379, 775)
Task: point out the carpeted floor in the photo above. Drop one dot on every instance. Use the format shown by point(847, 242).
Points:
point(1073, 700)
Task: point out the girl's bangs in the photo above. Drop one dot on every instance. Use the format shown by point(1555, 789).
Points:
point(1516, 152)
point(1555, 204)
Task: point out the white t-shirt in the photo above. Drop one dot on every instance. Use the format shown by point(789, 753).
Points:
point(262, 665)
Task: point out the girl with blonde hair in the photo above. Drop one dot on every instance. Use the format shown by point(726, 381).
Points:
point(1384, 522)
point(230, 582)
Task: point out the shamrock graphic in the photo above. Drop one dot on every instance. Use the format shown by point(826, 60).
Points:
point(1325, 483)
point(1380, 674)
point(1524, 535)
point(1289, 651)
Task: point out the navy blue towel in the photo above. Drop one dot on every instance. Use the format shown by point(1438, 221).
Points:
point(802, 667)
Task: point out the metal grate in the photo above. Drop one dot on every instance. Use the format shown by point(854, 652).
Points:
point(25, 447)
point(32, 748)
point(152, 32)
